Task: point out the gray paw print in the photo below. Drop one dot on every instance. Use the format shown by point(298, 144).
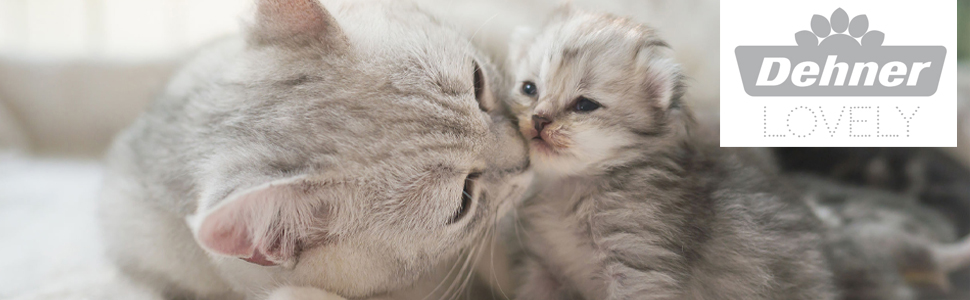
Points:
point(858, 29)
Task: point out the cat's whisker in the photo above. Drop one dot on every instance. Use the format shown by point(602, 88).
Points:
point(445, 278)
point(470, 270)
point(492, 258)
point(474, 257)
point(453, 279)
point(452, 287)
point(478, 255)
point(463, 279)
point(516, 224)
point(472, 38)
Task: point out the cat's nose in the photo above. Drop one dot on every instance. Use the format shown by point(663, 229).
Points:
point(540, 122)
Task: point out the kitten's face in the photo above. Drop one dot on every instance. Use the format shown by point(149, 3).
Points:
point(588, 88)
point(353, 157)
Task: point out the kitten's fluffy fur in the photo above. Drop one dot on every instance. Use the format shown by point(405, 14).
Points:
point(627, 205)
point(329, 147)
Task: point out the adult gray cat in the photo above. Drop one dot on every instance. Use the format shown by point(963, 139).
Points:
point(358, 150)
point(629, 204)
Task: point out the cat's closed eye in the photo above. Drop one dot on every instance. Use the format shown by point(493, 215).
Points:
point(478, 80)
point(467, 197)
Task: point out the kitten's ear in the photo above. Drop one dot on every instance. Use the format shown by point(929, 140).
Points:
point(663, 82)
point(266, 225)
point(298, 22)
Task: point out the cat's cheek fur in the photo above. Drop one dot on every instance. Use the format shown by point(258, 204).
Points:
point(350, 271)
point(594, 144)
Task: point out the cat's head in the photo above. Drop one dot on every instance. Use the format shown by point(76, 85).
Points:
point(351, 149)
point(592, 90)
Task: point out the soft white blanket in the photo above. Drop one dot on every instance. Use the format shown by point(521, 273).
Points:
point(51, 247)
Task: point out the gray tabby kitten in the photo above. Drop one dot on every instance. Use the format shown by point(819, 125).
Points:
point(885, 246)
point(358, 150)
point(627, 204)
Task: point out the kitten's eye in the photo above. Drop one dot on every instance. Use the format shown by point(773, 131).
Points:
point(586, 105)
point(529, 88)
point(467, 196)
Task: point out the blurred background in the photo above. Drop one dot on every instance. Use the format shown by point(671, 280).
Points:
point(963, 19)
point(75, 72)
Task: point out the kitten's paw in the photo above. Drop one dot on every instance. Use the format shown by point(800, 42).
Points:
point(302, 293)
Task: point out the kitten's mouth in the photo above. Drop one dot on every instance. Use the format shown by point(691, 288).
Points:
point(541, 146)
point(547, 142)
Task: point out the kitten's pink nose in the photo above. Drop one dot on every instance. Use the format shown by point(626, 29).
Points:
point(540, 122)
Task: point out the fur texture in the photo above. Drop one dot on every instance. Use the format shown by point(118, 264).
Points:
point(357, 149)
point(628, 203)
point(905, 189)
point(936, 179)
point(883, 246)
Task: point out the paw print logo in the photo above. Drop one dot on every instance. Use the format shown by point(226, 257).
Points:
point(838, 32)
point(840, 57)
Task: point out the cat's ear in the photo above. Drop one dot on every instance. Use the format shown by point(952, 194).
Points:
point(297, 22)
point(664, 81)
point(266, 225)
point(663, 85)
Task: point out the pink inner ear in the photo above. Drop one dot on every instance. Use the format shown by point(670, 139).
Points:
point(226, 234)
point(283, 17)
point(264, 226)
